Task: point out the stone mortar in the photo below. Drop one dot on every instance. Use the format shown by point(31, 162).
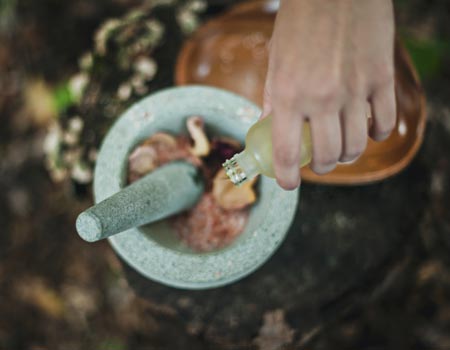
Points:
point(153, 250)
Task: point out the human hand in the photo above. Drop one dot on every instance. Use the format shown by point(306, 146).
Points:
point(328, 60)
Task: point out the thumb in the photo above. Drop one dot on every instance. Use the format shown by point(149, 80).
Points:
point(267, 95)
point(267, 103)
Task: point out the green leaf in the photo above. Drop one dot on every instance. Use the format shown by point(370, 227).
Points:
point(112, 344)
point(427, 55)
point(63, 97)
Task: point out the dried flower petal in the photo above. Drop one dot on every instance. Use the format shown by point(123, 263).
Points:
point(159, 149)
point(229, 196)
point(195, 126)
point(221, 213)
point(225, 147)
point(162, 139)
point(143, 160)
point(170, 148)
point(151, 154)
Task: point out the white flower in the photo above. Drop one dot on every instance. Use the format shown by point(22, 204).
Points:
point(76, 124)
point(77, 84)
point(102, 35)
point(86, 60)
point(124, 91)
point(52, 140)
point(81, 173)
point(146, 67)
point(155, 28)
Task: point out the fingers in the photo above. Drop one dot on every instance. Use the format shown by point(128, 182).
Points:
point(326, 142)
point(267, 103)
point(354, 130)
point(286, 136)
point(267, 96)
point(383, 112)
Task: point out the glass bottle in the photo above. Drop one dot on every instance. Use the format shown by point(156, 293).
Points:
point(256, 158)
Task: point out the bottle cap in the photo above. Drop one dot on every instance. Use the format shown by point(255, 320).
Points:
point(234, 171)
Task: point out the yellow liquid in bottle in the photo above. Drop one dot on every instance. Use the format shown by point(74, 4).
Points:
point(259, 143)
point(257, 157)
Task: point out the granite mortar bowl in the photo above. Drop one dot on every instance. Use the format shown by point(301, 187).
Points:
point(154, 250)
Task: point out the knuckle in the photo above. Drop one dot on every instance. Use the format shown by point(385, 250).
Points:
point(385, 77)
point(385, 83)
point(285, 158)
point(326, 97)
point(356, 86)
point(284, 92)
point(282, 78)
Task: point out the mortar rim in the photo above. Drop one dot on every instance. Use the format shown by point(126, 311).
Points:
point(162, 261)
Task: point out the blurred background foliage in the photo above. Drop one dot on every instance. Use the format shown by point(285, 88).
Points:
point(56, 292)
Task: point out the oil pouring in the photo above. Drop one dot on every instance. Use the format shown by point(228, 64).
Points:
point(256, 158)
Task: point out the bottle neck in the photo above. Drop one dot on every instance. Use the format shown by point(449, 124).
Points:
point(241, 168)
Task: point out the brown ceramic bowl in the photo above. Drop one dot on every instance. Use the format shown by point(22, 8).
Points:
point(230, 52)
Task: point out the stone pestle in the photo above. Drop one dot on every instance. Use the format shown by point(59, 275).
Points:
point(168, 190)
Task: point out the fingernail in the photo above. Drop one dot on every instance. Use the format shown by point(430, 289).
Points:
point(289, 179)
point(323, 169)
point(348, 160)
point(381, 136)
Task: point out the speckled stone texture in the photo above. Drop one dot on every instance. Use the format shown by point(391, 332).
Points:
point(153, 250)
point(166, 191)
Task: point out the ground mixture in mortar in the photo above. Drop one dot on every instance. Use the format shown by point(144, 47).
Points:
point(222, 212)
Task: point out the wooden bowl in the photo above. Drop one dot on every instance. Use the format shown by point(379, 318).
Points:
point(230, 52)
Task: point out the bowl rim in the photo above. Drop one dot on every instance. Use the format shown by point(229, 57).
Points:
point(160, 263)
